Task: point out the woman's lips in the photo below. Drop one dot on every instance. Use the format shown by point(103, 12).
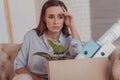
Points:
point(56, 27)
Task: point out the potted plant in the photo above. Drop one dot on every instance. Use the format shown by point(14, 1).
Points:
point(58, 50)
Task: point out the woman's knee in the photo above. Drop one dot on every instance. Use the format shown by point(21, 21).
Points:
point(22, 77)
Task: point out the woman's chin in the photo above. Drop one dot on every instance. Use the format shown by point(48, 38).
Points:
point(56, 31)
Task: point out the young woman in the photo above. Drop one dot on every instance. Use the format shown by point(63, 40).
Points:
point(54, 23)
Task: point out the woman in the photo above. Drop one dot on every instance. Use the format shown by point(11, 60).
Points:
point(54, 24)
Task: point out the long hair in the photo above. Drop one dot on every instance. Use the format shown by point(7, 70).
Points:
point(41, 28)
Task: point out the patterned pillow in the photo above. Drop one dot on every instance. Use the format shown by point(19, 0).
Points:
point(7, 54)
point(3, 62)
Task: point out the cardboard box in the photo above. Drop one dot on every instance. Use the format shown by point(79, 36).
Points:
point(79, 69)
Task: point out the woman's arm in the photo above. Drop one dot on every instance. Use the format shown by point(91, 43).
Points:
point(70, 23)
point(75, 45)
point(21, 60)
point(74, 32)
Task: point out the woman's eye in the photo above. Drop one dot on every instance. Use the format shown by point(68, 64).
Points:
point(51, 16)
point(60, 16)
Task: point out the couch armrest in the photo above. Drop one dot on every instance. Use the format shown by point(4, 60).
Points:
point(7, 54)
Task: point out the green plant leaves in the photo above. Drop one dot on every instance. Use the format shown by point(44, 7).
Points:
point(43, 54)
point(58, 49)
point(48, 57)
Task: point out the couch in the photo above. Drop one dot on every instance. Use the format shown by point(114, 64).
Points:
point(9, 51)
point(7, 54)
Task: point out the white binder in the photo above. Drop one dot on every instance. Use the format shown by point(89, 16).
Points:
point(105, 50)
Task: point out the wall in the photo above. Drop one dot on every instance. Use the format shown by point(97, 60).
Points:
point(21, 17)
point(3, 24)
point(80, 9)
point(104, 13)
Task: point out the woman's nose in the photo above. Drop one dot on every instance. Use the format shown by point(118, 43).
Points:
point(55, 21)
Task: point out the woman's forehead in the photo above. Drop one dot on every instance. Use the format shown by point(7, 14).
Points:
point(54, 10)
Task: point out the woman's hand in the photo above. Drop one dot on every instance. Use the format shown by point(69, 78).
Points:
point(68, 18)
point(70, 23)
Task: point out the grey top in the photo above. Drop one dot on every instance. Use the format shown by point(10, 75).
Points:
point(33, 43)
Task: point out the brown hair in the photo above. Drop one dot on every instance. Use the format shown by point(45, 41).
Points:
point(41, 28)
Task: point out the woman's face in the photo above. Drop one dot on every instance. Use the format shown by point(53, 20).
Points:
point(54, 19)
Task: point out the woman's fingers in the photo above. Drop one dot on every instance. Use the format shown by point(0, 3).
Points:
point(68, 17)
point(65, 12)
point(63, 9)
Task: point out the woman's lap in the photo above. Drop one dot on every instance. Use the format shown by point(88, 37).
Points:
point(22, 77)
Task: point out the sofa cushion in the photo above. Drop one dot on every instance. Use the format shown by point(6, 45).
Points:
point(7, 54)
